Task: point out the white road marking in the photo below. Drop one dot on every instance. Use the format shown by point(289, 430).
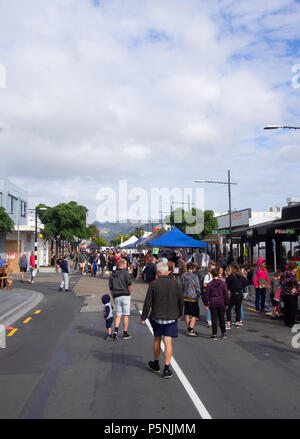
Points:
point(185, 382)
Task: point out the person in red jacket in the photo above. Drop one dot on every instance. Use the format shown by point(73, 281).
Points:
point(261, 283)
point(32, 268)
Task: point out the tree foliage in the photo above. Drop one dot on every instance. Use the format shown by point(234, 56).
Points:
point(139, 232)
point(118, 240)
point(65, 222)
point(184, 220)
point(6, 223)
point(95, 236)
point(100, 242)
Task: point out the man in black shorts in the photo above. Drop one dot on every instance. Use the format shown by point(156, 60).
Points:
point(165, 300)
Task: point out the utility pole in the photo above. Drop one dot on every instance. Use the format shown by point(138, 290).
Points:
point(229, 184)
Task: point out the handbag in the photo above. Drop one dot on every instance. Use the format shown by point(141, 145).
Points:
point(263, 283)
point(277, 294)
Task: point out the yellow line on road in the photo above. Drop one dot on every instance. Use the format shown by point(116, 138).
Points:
point(27, 320)
point(37, 311)
point(252, 309)
point(12, 332)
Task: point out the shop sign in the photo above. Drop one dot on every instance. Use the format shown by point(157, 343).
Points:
point(11, 256)
point(155, 251)
point(224, 232)
point(284, 231)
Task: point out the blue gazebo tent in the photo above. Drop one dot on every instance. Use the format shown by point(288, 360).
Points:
point(154, 235)
point(134, 244)
point(175, 238)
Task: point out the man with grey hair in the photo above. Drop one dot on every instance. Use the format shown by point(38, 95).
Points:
point(164, 303)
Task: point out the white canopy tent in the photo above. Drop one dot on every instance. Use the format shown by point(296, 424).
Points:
point(131, 240)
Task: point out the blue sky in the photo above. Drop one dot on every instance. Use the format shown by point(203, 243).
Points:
point(155, 92)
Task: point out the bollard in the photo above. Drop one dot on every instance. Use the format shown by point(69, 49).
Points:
point(2, 337)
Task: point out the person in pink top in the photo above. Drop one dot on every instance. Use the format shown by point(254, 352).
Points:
point(261, 283)
point(32, 268)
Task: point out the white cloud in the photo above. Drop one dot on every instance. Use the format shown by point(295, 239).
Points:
point(150, 91)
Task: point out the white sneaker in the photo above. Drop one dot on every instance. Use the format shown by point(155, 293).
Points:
point(209, 323)
point(227, 327)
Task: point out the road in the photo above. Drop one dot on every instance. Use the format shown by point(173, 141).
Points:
point(57, 365)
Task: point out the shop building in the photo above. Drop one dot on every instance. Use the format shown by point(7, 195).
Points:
point(15, 201)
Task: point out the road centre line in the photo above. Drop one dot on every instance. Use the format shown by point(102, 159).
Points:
point(12, 332)
point(27, 320)
point(185, 382)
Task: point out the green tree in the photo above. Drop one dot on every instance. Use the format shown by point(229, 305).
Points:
point(184, 219)
point(6, 223)
point(100, 242)
point(210, 223)
point(139, 232)
point(118, 240)
point(65, 222)
point(95, 236)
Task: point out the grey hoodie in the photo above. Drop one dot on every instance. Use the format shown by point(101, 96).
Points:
point(119, 282)
point(23, 263)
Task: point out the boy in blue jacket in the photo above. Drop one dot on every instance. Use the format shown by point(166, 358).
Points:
point(108, 315)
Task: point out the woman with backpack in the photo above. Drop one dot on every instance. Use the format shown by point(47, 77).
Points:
point(191, 294)
point(236, 282)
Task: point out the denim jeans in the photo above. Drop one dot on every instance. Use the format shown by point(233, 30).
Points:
point(260, 298)
point(207, 315)
point(65, 281)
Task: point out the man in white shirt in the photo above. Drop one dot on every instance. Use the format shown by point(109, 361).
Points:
point(205, 260)
point(207, 279)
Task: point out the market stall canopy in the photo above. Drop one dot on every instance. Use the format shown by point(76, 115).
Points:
point(134, 244)
point(129, 241)
point(94, 247)
point(154, 235)
point(175, 238)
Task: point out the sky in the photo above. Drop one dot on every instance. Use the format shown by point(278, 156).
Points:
point(156, 93)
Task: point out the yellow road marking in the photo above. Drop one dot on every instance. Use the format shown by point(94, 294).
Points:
point(12, 332)
point(38, 311)
point(27, 320)
point(252, 309)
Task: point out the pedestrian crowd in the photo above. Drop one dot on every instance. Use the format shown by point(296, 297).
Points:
point(176, 284)
point(175, 288)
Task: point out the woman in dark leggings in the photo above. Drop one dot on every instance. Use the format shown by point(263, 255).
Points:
point(236, 282)
point(290, 291)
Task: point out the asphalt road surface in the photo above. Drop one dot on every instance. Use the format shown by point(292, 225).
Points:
point(57, 366)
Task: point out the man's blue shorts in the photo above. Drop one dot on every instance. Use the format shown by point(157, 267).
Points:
point(169, 330)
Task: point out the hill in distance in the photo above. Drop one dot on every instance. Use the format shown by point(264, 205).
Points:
point(109, 231)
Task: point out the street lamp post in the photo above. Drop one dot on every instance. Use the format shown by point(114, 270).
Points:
point(228, 183)
point(276, 127)
point(35, 232)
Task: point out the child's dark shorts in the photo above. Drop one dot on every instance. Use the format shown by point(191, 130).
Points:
point(273, 301)
point(109, 322)
point(191, 309)
point(169, 330)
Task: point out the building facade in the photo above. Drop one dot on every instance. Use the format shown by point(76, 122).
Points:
point(15, 201)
